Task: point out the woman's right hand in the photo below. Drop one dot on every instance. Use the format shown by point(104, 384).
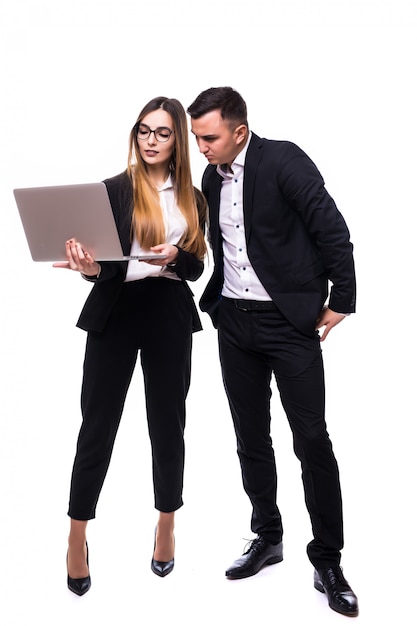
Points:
point(79, 260)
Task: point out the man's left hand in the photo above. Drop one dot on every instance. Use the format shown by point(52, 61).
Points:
point(329, 319)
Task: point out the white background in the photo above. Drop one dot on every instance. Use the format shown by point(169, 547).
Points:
point(338, 78)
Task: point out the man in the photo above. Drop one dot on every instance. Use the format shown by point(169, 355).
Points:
point(277, 240)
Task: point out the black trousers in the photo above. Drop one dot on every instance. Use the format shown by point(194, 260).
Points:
point(152, 316)
point(253, 345)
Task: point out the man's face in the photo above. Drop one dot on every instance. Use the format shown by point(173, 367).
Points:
point(217, 139)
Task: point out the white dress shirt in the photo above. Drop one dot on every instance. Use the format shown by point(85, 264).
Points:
point(240, 279)
point(175, 227)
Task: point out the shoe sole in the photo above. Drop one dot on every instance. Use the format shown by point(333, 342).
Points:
point(272, 561)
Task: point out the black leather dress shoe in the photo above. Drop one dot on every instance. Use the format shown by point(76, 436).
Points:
point(79, 586)
point(259, 554)
point(338, 591)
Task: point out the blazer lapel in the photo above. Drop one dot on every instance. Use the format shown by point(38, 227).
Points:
point(253, 158)
point(214, 204)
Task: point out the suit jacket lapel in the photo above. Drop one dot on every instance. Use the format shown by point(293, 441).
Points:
point(214, 204)
point(253, 157)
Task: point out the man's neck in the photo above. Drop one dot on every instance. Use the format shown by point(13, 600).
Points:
point(227, 167)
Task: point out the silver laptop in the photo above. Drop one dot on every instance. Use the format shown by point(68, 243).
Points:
point(52, 215)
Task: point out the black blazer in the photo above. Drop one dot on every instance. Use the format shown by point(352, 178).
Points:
point(297, 240)
point(107, 287)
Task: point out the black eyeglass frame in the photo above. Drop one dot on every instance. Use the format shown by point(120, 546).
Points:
point(154, 131)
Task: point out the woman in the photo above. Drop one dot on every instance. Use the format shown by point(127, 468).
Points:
point(140, 306)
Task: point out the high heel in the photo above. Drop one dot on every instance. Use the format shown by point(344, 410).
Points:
point(79, 586)
point(161, 568)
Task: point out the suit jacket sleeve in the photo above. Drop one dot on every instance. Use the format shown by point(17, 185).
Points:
point(304, 189)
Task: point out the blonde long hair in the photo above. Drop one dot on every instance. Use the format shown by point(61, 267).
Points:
point(147, 220)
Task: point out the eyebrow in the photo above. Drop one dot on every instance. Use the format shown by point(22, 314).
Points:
point(204, 136)
point(157, 128)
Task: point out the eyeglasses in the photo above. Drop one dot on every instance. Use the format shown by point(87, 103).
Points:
point(162, 133)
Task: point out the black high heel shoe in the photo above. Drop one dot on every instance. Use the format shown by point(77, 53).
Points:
point(79, 586)
point(161, 568)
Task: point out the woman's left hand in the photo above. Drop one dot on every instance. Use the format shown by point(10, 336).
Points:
point(168, 251)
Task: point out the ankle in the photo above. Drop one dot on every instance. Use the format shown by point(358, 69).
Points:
point(77, 534)
point(76, 542)
point(166, 522)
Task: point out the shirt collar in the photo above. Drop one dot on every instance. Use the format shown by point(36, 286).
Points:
point(168, 184)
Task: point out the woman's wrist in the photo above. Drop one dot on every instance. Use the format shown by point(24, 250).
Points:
point(93, 275)
point(174, 260)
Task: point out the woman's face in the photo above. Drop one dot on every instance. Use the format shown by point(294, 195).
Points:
point(156, 153)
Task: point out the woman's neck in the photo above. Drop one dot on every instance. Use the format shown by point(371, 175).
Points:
point(158, 175)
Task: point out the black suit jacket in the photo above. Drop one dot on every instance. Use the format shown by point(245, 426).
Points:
point(107, 287)
point(297, 240)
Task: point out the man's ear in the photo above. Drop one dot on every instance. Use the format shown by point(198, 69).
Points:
point(241, 133)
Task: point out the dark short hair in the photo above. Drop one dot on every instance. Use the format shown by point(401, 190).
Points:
point(230, 103)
